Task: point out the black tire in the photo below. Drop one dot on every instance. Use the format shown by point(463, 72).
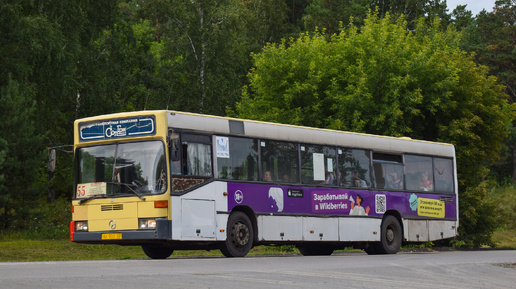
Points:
point(157, 252)
point(391, 238)
point(315, 250)
point(372, 248)
point(239, 236)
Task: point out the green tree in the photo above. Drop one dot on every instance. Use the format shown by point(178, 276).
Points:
point(296, 12)
point(386, 80)
point(41, 47)
point(194, 54)
point(492, 37)
point(461, 17)
point(20, 155)
point(259, 22)
point(413, 10)
point(4, 192)
point(329, 15)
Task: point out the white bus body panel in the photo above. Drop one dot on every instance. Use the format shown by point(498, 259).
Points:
point(359, 229)
point(320, 229)
point(280, 228)
point(290, 228)
point(416, 230)
point(198, 218)
point(195, 217)
point(442, 229)
point(429, 230)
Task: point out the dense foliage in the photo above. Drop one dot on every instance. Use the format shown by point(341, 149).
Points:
point(387, 80)
point(311, 62)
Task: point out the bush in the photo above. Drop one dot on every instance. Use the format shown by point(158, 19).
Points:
point(45, 221)
point(504, 199)
point(479, 217)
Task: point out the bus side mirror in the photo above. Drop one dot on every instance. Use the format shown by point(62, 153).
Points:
point(174, 144)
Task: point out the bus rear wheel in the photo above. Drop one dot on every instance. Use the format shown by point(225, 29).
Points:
point(157, 252)
point(391, 237)
point(240, 235)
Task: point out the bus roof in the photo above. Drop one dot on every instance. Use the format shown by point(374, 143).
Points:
point(285, 132)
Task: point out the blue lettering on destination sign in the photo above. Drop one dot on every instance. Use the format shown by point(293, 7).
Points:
point(117, 128)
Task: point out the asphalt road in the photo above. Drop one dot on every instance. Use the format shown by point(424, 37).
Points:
point(458, 269)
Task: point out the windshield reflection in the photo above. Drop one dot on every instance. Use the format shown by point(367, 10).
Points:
point(126, 168)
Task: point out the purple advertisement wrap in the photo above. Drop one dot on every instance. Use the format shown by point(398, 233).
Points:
point(265, 198)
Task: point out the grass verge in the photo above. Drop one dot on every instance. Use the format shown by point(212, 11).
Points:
point(64, 250)
point(505, 239)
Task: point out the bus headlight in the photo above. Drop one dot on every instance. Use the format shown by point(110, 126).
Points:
point(147, 224)
point(81, 226)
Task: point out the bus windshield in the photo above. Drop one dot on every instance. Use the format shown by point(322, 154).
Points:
point(121, 169)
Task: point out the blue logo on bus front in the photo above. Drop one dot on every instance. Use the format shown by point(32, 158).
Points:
point(117, 128)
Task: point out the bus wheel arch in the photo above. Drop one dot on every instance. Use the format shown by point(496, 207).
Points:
point(240, 233)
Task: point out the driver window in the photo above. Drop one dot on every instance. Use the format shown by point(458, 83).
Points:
point(194, 166)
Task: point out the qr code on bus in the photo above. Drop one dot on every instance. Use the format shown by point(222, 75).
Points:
point(381, 204)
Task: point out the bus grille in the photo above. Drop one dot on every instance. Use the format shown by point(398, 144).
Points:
point(118, 207)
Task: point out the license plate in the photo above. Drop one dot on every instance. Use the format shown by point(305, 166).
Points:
point(112, 236)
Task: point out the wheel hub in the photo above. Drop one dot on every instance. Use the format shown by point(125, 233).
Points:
point(389, 234)
point(241, 234)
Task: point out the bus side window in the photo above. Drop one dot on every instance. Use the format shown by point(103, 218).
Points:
point(420, 176)
point(354, 167)
point(379, 175)
point(281, 160)
point(318, 165)
point(197, 159)
point(237, 158)
point(195, 166)
point(388, 171)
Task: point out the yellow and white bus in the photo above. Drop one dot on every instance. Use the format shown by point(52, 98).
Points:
point(168, 180)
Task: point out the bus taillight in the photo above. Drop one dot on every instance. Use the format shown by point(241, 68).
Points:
point(72, 230)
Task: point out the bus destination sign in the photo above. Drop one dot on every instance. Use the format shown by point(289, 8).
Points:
point(117, 128)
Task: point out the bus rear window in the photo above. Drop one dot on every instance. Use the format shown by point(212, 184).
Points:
point(443, 175)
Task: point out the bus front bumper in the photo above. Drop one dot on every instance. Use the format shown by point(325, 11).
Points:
point(161, 233)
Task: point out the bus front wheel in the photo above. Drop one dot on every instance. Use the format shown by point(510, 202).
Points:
point(157, 252)
point(239, 239)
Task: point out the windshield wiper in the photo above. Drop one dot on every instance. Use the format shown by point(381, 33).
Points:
point(91, 198)
point(129, 186)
